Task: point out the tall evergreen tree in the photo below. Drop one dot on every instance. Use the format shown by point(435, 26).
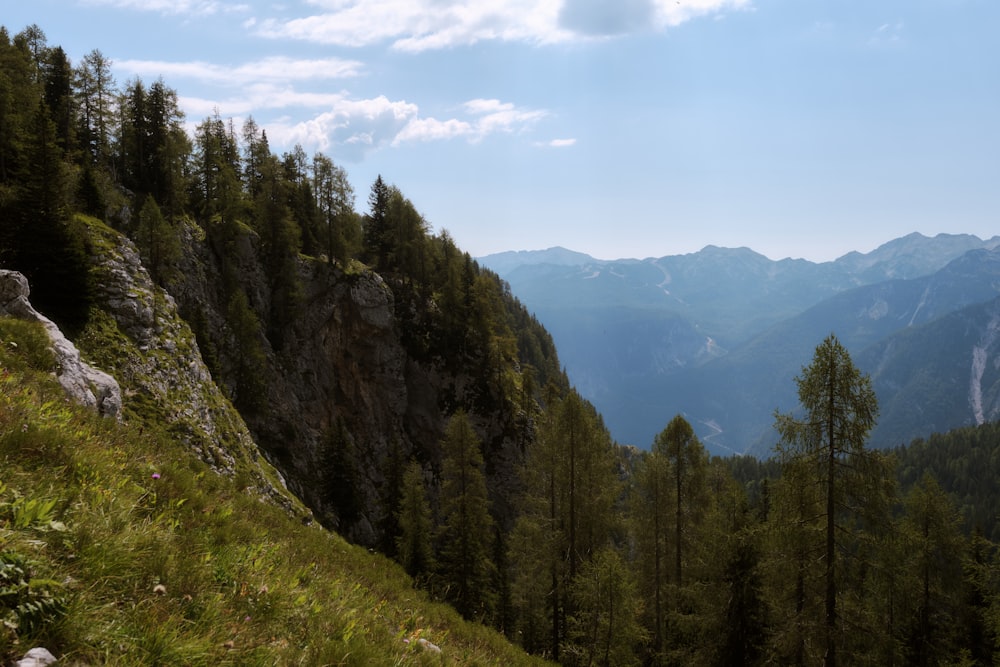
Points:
point(930, 527)
point(466, 534)
point(95, 99)
point(671, 500)
point(828, 446)
point(605, 628)
point(416, 527)
point(158, 241)
point(341, 477)
point(571, 488)
point(376, 229)
point(335, 198)
point(59, 98)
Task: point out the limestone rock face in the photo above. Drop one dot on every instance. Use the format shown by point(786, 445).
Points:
point(162, 369)
point(83, 383)
point(341, 378)
point(343, 399)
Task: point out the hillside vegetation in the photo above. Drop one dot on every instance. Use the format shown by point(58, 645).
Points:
point(335, 423)
point(119, 546)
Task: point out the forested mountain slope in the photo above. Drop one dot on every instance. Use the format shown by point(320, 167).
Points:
point(283, 357)
point(718, 334)
point(166, 539)
point(880, 324)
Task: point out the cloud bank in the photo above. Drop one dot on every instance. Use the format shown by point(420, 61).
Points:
point(420, 25)
point(175, 7)
point(349, 125)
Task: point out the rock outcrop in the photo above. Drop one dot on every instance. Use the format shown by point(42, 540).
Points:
point(139, 335)
point(84, 383)
point(343, 404)
point(345, 400)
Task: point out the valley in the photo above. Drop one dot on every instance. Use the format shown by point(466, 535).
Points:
point(719, 335)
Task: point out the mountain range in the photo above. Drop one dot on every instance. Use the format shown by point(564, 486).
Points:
point(719, 335)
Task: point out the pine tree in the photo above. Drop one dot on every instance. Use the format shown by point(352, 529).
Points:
point(95, 99)
point(335, 198)
point(670, 500)
point(341, 479)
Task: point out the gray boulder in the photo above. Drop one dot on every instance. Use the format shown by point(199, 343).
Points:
point(85, 384)
point(36, 657)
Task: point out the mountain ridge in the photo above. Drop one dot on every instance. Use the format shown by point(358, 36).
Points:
point(628, 329)
point(561, 255)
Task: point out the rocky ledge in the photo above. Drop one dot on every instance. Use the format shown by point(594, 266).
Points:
point(85, 384)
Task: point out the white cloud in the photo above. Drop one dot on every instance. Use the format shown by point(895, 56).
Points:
point(351, 127)
point(274, 69)
point(494, 116)
point(561, 143)
point(488, 117)
point(176, 7)
point(420, 25)
point(432, 129)
point(338, 122)
point(672, 13)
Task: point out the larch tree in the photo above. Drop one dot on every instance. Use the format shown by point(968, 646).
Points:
point(605, 629)
point(416, 526)
point(827, 445)
point(158, 241)
point(670, 503)
point(931, 532)
point(335, 198)
point(571, 488)
point(466, 534)
point(96, 100)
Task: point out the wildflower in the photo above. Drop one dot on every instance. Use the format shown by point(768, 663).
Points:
point(156, 475)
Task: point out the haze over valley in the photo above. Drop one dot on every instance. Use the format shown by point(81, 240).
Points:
point(718, 335)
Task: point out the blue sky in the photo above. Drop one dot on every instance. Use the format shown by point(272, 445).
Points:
point(619, 128)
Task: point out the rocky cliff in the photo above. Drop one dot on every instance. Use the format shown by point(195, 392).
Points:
point(85, 384)
point(136, 335)
point(344, 404)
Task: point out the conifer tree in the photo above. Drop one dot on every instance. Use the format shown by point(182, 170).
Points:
point(377, 240)
point(59, 98)
point(827, 447)
point(157, 240)
point(570, 494)
point(335, 199)
point(605, 628)
point(930, 527)
point(670, 500)
point(95, 99)
point(416, 527)
point(466, 534)
point(341, 478)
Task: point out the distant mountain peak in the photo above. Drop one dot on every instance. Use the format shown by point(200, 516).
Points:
point(504, 262)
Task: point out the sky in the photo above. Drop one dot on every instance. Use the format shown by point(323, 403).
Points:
point(618, 128)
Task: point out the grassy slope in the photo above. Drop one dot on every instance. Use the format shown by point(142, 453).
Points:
point(118, 545)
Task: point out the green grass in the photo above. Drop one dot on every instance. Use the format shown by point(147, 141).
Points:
point(119, 546)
